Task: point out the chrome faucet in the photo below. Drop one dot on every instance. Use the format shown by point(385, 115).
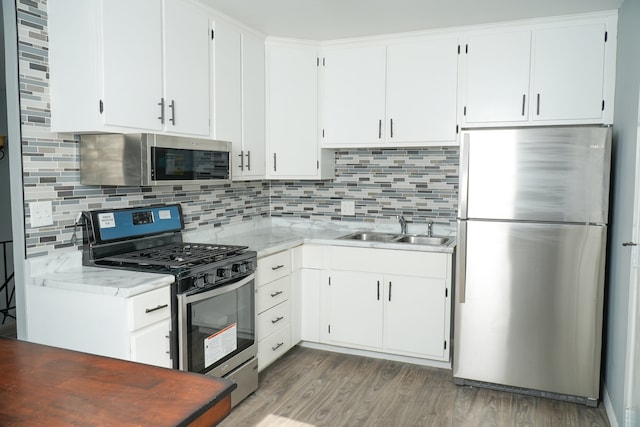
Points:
point(429, 227)
point(403, 224)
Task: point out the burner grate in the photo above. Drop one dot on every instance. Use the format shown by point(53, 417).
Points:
point(177, 255)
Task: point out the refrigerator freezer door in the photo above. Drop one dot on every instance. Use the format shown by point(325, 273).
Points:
point(558, 174)
point(532, 310)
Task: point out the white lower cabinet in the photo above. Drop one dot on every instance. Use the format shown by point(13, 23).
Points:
point(388, 301)
point(135, 328)
point(273, 289)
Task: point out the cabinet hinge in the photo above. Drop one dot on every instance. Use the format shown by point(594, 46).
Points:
point(212, 34)
point(603, 105)
point(101, 106)
point(606, 35)
point(464, 111)
point(445, 344)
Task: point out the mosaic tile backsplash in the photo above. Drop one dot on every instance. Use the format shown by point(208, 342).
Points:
point(416, 183)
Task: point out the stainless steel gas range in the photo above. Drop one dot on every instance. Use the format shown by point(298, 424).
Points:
point(213, 324)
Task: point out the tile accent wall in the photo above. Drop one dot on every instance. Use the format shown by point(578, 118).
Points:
point(417, 183)
point(51, 161)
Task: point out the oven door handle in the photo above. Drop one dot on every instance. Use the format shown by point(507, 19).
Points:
point(188, 299)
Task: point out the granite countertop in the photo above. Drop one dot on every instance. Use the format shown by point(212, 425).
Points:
point(266, 237)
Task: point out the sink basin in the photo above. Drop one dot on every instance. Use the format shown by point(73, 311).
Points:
point(414, 239)
point(423, 240)
point(370, 237)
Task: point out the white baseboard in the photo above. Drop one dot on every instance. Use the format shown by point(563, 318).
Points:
point(609, 407)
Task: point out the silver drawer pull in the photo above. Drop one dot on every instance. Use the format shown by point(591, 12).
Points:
point(277, 319)
point(277, 267)
point(277, 346)
point(160, 307)
point(275, 294)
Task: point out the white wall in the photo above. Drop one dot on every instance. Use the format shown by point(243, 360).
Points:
point(621, 218)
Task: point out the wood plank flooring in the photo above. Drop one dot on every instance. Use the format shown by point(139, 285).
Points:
point(309, 387)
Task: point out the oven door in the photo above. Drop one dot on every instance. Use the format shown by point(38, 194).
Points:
point(217, 328)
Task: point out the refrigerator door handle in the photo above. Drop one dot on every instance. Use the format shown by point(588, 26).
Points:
point(461, 262)
point(463, 175)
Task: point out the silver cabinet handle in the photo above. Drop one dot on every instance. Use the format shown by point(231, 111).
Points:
point(524, 99)
point(389, 291)
point(274, 162)
point(277, 319)
point(378, 290)
point(391, 127)
point(629, 244)
point(241, 155)
point(379, 129)
point(159, 307)
point(275, 294)
point(161, 104)
point(248, 160)
point(277, 346)
point(173, 112)
point(538, 104)
point(277, 267)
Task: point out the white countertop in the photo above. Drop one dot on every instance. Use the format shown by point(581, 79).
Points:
point(265, 236)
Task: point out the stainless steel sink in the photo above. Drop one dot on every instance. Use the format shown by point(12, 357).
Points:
point(415, 239)
point(370, 237)
point(423, 240)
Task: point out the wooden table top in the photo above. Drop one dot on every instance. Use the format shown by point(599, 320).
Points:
point(48, 386)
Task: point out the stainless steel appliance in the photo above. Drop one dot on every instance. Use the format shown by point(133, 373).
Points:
point(213, 316)
point(144, 159)
point(530, 262)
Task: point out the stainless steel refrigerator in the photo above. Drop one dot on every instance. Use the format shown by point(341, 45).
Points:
point(530, 260)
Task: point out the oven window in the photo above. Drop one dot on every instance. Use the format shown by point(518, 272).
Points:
point(219, 328)
point(173, 164)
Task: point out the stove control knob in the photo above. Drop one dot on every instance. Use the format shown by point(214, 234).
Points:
point(239, 268)
point(210, 278)
point(199, 281)
point(224, 272)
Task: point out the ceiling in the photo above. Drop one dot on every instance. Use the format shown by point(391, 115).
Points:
point(336, 19)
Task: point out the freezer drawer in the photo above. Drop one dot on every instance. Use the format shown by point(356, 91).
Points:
point(529, 304)
point(556, 174)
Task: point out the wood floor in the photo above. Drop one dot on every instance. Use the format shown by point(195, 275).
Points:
point(310, 387)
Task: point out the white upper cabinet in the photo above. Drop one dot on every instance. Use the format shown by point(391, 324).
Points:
point(568, 72)
point(402, 93)
point(497, 79)
point(227, 87)
point(186, 77)
point(292, 111)
point(421, 91)
point(353, 104)
point(118, 66)
point(546, 73)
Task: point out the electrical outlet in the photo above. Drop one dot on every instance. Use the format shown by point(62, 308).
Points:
point(348, 207)
point(41, 213)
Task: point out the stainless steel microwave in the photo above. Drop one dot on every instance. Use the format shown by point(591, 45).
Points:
point(145, 159)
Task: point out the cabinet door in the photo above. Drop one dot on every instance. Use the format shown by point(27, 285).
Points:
point(186, 61)
point(355, 308)
point(293, 111)
point(227, 93)
point(569, 72)
point(132, 63)
point(151, 345)
point(415, 310)
point(354, 95)
point(421, 91)
point(253, 106)
point(497, 83)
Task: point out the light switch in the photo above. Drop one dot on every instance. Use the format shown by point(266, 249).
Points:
point(348, 207)
point(41, 213)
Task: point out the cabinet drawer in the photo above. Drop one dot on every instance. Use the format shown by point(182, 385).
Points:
point(273, 267)
point(273, 319)
point(273, 347)
point(272, 294)
point(148, 308)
